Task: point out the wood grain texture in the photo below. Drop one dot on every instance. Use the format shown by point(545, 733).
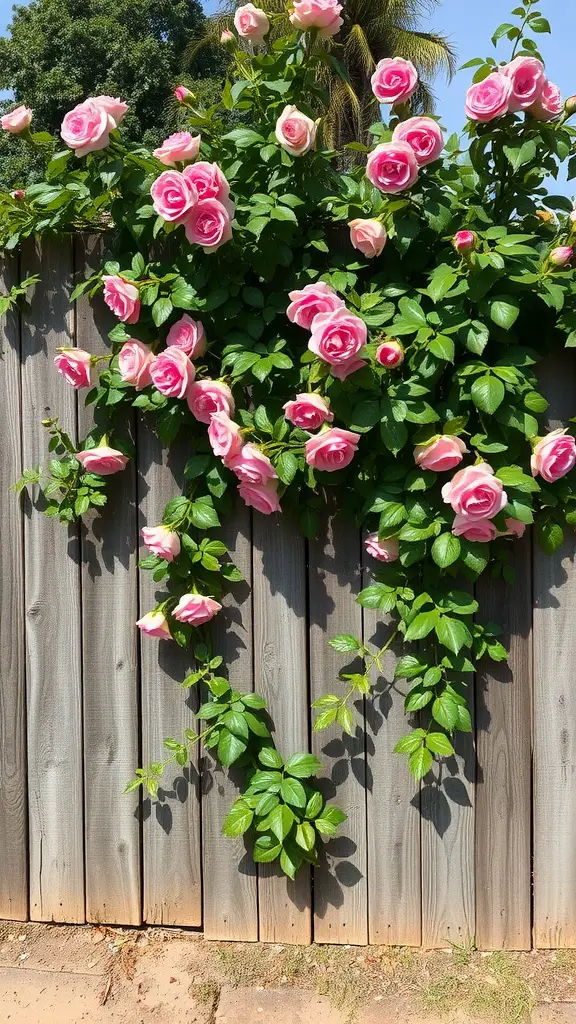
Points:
point(52, 600)
point(13, 805)
point(503, 746)
point(280, 670)
point(230, 881)
point(109, 656)
point(340, 881)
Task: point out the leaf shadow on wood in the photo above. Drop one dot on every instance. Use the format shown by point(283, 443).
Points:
point(184, 785)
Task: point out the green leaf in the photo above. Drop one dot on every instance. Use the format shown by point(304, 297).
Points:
point(290, 861)
point(439, 743)
point(344, 642)
point(520, 153)
point(306, 836)
point(408, 667)
point(549, 535)
point(504, 311)
point(238, 819)
point(453, 633)
point(292, 792)
point(236, 723)
point(230, 747)
point(420, 762)
point(408, 744)
point(280, 821)
point(302, 766)
point(161, 310)
point(314, 805)
point(378, 595)
point(487, 393)
point(446, 550)
point(266, 849)
point(204, 515)
point(287, 467)
point(422, 625)
point(539, 24)
point(270, 758)
point(445, 711)
point(443, 347)
point(243, 137)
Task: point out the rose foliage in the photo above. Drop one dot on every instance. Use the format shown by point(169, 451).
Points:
point(367, 336)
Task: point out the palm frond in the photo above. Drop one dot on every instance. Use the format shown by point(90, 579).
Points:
point(429, 52)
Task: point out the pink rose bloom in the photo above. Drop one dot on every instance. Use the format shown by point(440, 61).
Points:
point(189, 335)
point(161, 541)
point(209, 225)
point(182, 93)
point(383, 550)
point(173, 195)
point(251, 466)
point(224, 436)
point(205, 397)
point(87, 127)
point(480, 530)
point(17, 120)
point(74, 364)
point(442, 453)
point(122, 298)
point(196, 609)
point(489, 99)
point(102, 460)
point(263, 497)
point(172, 372)
point(321, 14)
point(337, 337)
point(549, 103)
point(18, 194)
point(390, 354)
point(134, 362)
point(528, 78)
point(465, 241)
point(343, 370)
point(392, 167)
point(154, 624)
point(114, 107)
point(424, 136)
point(307, 302)
point(561, 255)
point(516, 528)
point(333, 449)
point(178, 147)
point(395, 80)
point(295, 132)
point(308, 411)
point(251, 23)
point(554, 455)
point(369, 236)
point(210, 183)
point(475, 492)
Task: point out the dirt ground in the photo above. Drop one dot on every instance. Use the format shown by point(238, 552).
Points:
point(55, 974)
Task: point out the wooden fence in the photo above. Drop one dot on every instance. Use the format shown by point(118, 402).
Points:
point(485, 851)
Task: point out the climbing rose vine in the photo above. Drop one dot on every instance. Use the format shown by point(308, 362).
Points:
point(361, 325)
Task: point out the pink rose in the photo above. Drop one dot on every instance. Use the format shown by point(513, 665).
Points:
point(424, 136)
point(369, 236)
point(528, 78)
point(209, 225)
point(308, 411)
point(196, 609)
point(134, 362)
point(172, 372)
point(173, 195)
point(74, 364)
point(343, 370)
point(18, 194)
point(227, 37)
point(87, 127)
point(210, 183)
point(392, 167)
point(549, 103)
point(114, 107)
point(480, 530)
point(17, 120)
point(122, 298)
point(205, 397)
point(489, 99)
point(263, 497)
point(251, 466)
point(442, 453)
point(183, 94)
point(475, 492)
point(178, 147)
point(189, 335)
point(554, 455)
point(515, 528)
point(390, 354)
point(561, 255)
point(295, 132)
point(465, 241)
point(251, 23)
point(337, 337)
point(383, 550)
point(395, 80)
point(333, 449)
point(321, 14)
point(161, 541)
point(224, 436)
point(102, 460)
point(154, 624)
point(307, 302)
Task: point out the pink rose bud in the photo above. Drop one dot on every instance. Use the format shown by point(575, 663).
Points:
point(251, 466)
point(369, 236)
point(74, 365)
point(295, 132)
point(114, 107)
point(102, 460)
point(560, 256)
point(134, 363)
point(263, 497)
point(528, 78)
point(173, 195)
point(395, 80)
point(154, 624)
point(307, 302)
point(161, 541)
point(480, 530)
point(570, 106)
point(224, 436)
point(390, 354)
point(323, 15)
point(489, 99)
point(189, 335)
point(475, 492)
point(332, 450)
point(18, 194)
point(515, 528)
point(179, 147)
point(17, 120)
point(383, 550)
point(440, 454)
point(196, 609)
point(227, 38)
point(308, 411)
point(122, 298)
point(424, 136)
point(549, 104)
point(210, 183)
point(208, 224)
point(183, 94)
point(206, 397)
point(465, 241)
point(172, 372)
point(251, 23)
point(554, 455)
point(337, 337)
point(86, 128)
point(392, 167)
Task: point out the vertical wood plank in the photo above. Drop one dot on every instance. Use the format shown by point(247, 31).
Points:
point(503, 744)
point(109, 653)
point(340, 881)
point(13, 808)
point(281, 677)
point(52, 598)
point(230, 885)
